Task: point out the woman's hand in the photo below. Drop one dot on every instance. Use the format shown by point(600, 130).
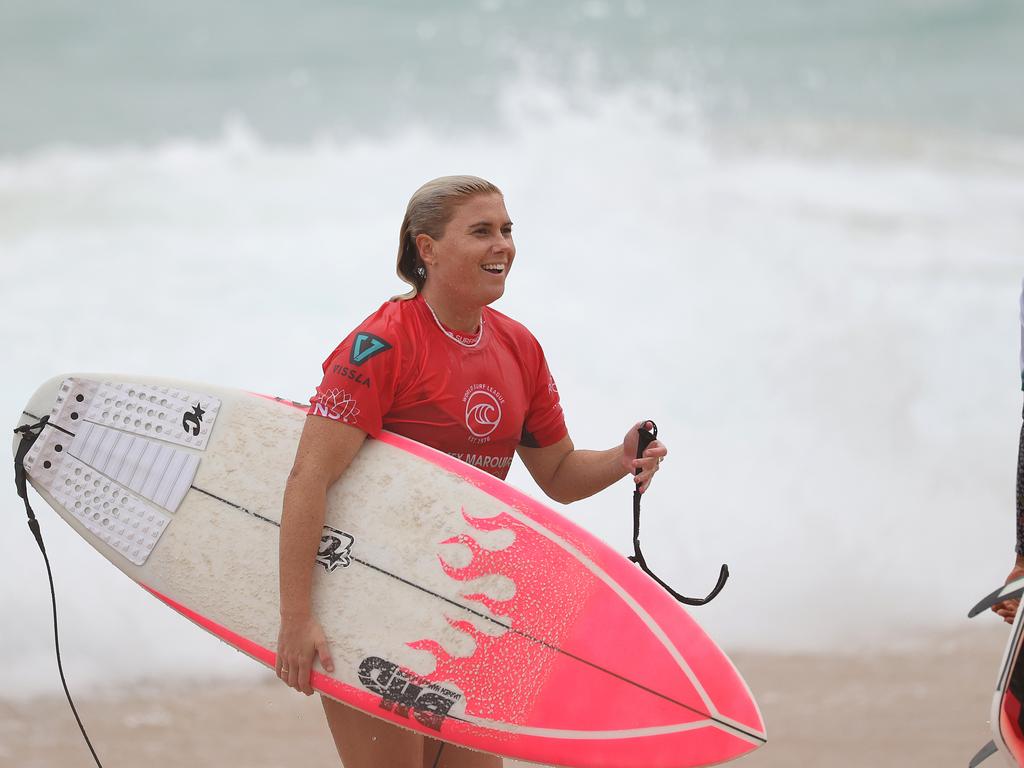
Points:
point(1008, 608)
point(651, 460)
point(298, 641)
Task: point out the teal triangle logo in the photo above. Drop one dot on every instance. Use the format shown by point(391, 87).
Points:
point(366, 346)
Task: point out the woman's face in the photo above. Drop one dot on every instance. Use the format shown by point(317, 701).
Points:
point(471, 260)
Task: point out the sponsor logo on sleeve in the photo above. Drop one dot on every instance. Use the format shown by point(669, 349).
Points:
point(351, 373)
point(483, 411)
point(335, 404)
point(366, 346)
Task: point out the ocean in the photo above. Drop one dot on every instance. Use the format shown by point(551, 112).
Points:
point(791, 236)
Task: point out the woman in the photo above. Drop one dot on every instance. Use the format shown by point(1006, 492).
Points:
point(439, 366)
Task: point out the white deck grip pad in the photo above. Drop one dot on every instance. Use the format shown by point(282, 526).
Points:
point(152, 469)
point(158, 412)
point(123, 521)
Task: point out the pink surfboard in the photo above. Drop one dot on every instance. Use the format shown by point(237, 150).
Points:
point(454, 604)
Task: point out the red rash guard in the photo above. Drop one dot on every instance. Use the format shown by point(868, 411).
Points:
point(401, 372)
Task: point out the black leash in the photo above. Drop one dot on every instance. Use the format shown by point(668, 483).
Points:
point(29, 433)
point(645, 438)
point(437, 757)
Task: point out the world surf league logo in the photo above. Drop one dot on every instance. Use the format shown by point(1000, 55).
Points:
point(335, 549)
point(483, 411)
point(405, 694)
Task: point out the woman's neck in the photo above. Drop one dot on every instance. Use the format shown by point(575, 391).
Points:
point(455, 316)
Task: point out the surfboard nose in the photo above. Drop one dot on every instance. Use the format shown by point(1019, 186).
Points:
point(38, 406)
point(41, 402)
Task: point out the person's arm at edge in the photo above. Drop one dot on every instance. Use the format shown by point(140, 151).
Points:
point(325, 451)
point(1008, 608)
point(567, 474)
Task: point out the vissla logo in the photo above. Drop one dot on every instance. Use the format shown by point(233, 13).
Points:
point(192, 420)
point(335, 404)
point(483, 409)
point(366, 346)
point(351, 373)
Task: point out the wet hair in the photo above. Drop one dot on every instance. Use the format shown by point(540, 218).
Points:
point(430, 209)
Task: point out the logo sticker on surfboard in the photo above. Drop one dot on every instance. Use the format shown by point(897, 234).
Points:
point(366, 346)
point(406, 694)
point(335, 549)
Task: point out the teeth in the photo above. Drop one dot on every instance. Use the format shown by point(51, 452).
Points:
point(498, 267)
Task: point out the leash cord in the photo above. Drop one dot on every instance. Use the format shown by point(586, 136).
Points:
point(29, 433)
point(645, 438)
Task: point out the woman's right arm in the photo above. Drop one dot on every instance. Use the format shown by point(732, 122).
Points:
point(325, 450)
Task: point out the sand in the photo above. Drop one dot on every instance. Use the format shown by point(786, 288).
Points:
point(923, 706)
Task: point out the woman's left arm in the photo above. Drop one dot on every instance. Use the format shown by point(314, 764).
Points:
point(567, 474)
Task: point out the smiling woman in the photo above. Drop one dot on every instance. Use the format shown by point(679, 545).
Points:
point(442, 367)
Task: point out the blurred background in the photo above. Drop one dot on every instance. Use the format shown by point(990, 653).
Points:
point(791, 233)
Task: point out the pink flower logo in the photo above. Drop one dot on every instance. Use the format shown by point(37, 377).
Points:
point(335, 404)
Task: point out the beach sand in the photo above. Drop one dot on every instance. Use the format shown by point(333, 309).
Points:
point(922, 706)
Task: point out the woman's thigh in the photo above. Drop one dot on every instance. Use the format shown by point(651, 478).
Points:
point(367, 742)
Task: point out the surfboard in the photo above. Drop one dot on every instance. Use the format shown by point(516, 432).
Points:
point(1007, 715)
point(454, 604)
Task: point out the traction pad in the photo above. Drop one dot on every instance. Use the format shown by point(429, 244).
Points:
point(104, 457)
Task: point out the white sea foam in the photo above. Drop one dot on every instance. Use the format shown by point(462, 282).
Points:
point(827, 341)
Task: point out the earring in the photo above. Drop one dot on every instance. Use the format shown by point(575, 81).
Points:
point(421, 271)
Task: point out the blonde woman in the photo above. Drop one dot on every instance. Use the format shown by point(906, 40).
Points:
point(439, 366)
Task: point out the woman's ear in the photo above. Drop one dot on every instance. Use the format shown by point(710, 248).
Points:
point(425, 248)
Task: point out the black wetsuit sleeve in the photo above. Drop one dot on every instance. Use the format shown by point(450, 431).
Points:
point(1020, 492)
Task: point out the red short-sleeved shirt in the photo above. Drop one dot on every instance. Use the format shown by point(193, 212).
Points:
point(399, 371)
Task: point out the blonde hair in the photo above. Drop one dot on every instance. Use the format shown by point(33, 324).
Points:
point(430, 209)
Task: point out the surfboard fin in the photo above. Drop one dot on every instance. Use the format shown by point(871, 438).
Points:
point(645, 438)
point(1011, 591)
point(983, 754)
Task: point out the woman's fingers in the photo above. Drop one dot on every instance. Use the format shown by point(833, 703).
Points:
point(305, 678)
point(1006, 610)
point(294, 664)
point(324, 654)
point(291, 678)
point(648, 465)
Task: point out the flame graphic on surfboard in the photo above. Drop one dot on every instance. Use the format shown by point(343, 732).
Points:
point(501, 643)
point(568, 648)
